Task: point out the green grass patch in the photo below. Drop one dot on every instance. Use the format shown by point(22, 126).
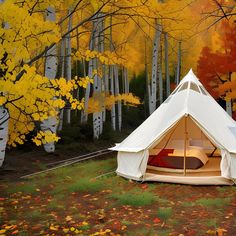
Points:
point(211, 223)
point(213, 202)
point(188, 204)
point(164, 213)
point(86, 185)
point(25, 188)
point(135, 198)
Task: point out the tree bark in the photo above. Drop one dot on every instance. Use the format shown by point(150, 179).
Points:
point(160, 78)
point(4, 120)
point(4, 117)
point(62, 74)
point(97, 84)
point(117, 91)
point(50, 72)
point(178, 72)
point(68, 63)
point(153, 85)
point(167, 65)
point(84, 113)
point(111, 71)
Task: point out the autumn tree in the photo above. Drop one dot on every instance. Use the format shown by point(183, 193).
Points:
point(216, 69)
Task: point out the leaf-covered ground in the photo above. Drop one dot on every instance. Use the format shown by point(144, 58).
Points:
point(80, 200)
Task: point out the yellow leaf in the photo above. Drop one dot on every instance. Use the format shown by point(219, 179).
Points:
point(54, 228)
point(68, 218)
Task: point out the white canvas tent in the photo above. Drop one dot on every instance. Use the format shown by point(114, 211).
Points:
point(189, 119)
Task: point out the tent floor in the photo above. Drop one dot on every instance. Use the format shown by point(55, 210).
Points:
point(209, 174)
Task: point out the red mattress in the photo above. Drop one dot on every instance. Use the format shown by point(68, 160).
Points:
point(175, 162)
point(159, 159)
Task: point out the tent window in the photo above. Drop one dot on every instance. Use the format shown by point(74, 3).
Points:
point(202, 90)
point(194, 87)
point(183, 87)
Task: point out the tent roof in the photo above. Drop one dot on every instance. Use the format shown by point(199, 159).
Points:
point(189, 98)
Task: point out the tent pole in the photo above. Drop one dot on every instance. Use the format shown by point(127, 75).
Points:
point(185, 142)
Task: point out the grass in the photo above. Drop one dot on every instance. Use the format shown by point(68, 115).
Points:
point(24, 188)
point(86, 185)
point(211, 223)
point(136, 206)
point(164, 213)
point(134, 198)
point(213, 202)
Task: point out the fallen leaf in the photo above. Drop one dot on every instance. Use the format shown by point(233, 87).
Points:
point(156, 220)
point(15, 232)
point(68, 218)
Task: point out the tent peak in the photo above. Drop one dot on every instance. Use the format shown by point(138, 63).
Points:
point(190, 77)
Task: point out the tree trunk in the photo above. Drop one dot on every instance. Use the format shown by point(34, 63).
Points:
point(113, 108)
point(117, 91)
point(111, 71)
point(153, 85)
point(84, 113)
point(167, 65)
point(68, 63)
point(178, 72)
point(50, 72)
point(160, 79)
point(4, 117)
point(97, 84)
point(62, 65)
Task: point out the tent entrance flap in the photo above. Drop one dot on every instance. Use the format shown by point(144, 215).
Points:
point(132, 165)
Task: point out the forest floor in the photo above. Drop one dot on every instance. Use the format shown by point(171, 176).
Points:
point(80, 200)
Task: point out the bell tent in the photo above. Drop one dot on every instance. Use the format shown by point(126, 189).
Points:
point(189, 139)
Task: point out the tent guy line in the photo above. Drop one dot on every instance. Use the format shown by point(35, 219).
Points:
point(69, 162)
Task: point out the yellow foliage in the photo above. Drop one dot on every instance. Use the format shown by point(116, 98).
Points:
point(96, 104)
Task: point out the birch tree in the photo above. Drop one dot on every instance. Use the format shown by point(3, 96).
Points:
point(97, 84)
point(68, 61)
point(111, 74)
point(4, 117)
point(167, 64)
point(178, 70)
point(117, 91)
point(153, 85)
point(51, 63)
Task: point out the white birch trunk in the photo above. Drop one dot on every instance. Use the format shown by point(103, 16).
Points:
point(153, 86)
point(126, 80)
point(84, 113)
point(113, 108)
point(62, 55)
point(160, 79)
point(97, 84)
point(167, 65)
point(148, 87)
point(178, 72)
point(4, 117)
point(68, 63)
point(229, 107)
point(111, 72)
point(50, 72)
point(117, 91)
